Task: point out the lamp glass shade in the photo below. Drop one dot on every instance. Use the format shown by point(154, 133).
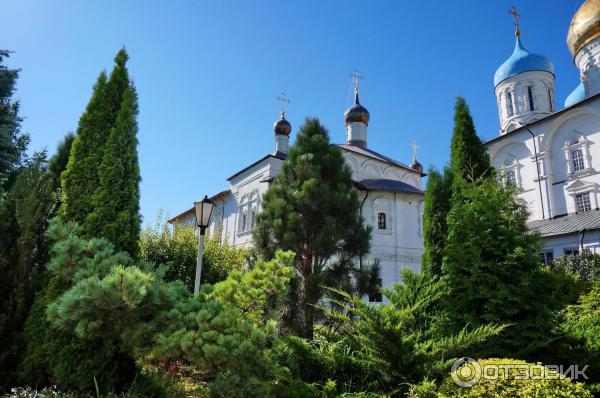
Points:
point(204, 210)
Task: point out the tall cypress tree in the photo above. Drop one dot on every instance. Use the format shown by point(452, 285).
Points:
point(312, 209)
point(469, 159)
point(116, 201)
point(437, 205)
point(81, 179)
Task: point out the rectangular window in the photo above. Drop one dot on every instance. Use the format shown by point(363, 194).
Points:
point(570, 251)
point(244, 220)
point(530, 98)
point(577, 156)
point(253, 218)
point(375, 296)
point(509, 104)
point(582, 202)
point(381, 221)
point(550, 101)
point(510, 179)
point(547, 257)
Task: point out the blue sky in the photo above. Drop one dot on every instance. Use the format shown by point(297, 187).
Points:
point(208, 74)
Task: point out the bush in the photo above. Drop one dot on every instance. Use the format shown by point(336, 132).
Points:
point(177, 249)
point(508, 385)
point(585, 265)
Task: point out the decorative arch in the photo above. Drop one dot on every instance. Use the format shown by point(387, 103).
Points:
point(548, 138)
point(370, 168)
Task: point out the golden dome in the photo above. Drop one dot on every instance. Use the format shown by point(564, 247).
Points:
point(585, 26)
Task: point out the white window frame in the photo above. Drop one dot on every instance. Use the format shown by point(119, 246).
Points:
point(577, 142)
point(511, 165)
point(545, 254)
point(585, 204)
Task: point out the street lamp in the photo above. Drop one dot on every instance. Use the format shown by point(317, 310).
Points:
point(203, 212)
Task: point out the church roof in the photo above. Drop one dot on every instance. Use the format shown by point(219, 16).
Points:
point(375, 155)
point(382, 184)
point(190, 211)
point(571, 223)
point(521, 61)
point(276, 155)
point(576, 96)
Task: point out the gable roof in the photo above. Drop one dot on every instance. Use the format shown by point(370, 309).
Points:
point(276, 155)
point(184, 214)
point(376, 155)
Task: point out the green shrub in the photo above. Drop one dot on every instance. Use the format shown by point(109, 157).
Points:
point(508, 385)
point(177, 249)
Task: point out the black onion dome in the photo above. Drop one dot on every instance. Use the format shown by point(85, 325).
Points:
point(357, 112)
point(417, 166)
point(282, 126)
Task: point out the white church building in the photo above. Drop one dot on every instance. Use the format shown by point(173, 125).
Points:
point(391, 196)
point(553, 156)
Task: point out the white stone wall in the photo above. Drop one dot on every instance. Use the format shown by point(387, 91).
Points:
point(588, 62)
point(555, 138)
point(542, 85)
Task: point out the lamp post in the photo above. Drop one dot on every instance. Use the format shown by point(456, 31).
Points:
point(204, 210)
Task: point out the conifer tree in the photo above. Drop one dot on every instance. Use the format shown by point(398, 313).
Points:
point(312, 209)
point(469, 159)
point(12, 142)
point(81, 179)
point(490, 260)
point(437, 205)
point(116, 201)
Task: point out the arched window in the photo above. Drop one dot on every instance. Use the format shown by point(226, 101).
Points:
point(530, 98)
point(550, 101)
point(381, 221)
point(509, 104)
point(510, 173)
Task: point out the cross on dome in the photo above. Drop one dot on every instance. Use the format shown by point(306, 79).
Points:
point(516, 16)
point(283, 101)
point(415, 148)
point(356, 76)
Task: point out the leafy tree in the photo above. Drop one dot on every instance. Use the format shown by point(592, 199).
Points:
point(115, 214)
point(13, 143)
point(437, 205)
point(312, 209)
point(469, 159)
point(177, 248)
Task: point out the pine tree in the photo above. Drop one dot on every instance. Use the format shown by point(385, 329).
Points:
point(312, 209)
point(12, 142)
point(81, 179)
point(116, 201)
point(437, 205)
point(58, 162)
point(469, 159)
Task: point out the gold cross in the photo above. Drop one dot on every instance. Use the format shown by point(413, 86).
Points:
point(356, 76)
point(414, 147)
point(283, 101)
point(516, 16)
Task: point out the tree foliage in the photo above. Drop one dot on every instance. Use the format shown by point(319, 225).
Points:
point(312, 209)
point(382, 349)
point(176, 249)
point(437, 205)
point(101, 182)
point(469, 159)
point(13, 143)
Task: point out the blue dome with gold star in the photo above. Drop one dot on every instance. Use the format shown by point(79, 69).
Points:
point(521, 61)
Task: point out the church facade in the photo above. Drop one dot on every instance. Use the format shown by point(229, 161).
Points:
point(391, 195)
point(552, 156)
